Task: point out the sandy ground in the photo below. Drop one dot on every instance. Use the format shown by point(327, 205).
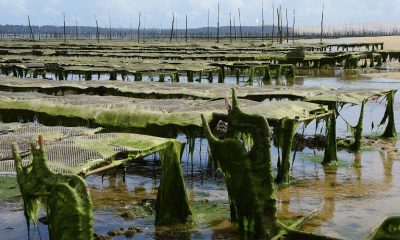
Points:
point(387, 75)
point(390, 42)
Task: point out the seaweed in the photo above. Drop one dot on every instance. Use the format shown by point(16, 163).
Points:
point(247, 173)
point(66, 197)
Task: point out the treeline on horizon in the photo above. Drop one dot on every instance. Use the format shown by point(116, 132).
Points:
point(88, 32)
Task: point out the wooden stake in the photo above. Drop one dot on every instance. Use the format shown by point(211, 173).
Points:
point(273, 22)
point(234, 25)
point(322, 21)
point(294, 21)
point(97, 30)
point(230, 27)
point(172, 27)
point(262, 20)
point(30, 27)
point(287, 28)
point(240, 27)
point(218, 25)
point(138, 29)
point(110, 32)
point(186, 31)
point(76, 27)
point(208, 25)
point(65, 36)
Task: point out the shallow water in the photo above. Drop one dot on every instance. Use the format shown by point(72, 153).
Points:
point(350, 200)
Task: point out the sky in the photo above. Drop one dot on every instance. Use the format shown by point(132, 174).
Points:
point(158, 14)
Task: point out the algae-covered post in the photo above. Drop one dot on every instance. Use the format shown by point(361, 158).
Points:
point(172, 204)
point(330, 153)
point(285, 131)
point(390, 131)
point(66, 197)
point(247, 173)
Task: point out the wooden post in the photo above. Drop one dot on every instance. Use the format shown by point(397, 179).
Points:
point(294, 21)
point(280, 25)
point(76, 28)
point(138, 29)
point(208, 25)
point(262, 20)
point(218, 25)
point(240, 27)
point(234, 25)
point(172, 27)
point(287, 28)
point(186, 31)
point(39, 31)
point(322, 21)
point(230, 27)
point(273, 22)
point(144, 27)
point(30, 27)
point(65, 36)
point(97, 30)
point(110, 32)
point(176, 28)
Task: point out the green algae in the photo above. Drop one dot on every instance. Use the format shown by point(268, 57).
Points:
point(388, 229)
point(66, 197)
point(285, 133)
point(8, 188)
point(390, 131)
point(248, 174)
point(330, 154)
point(172, 204)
